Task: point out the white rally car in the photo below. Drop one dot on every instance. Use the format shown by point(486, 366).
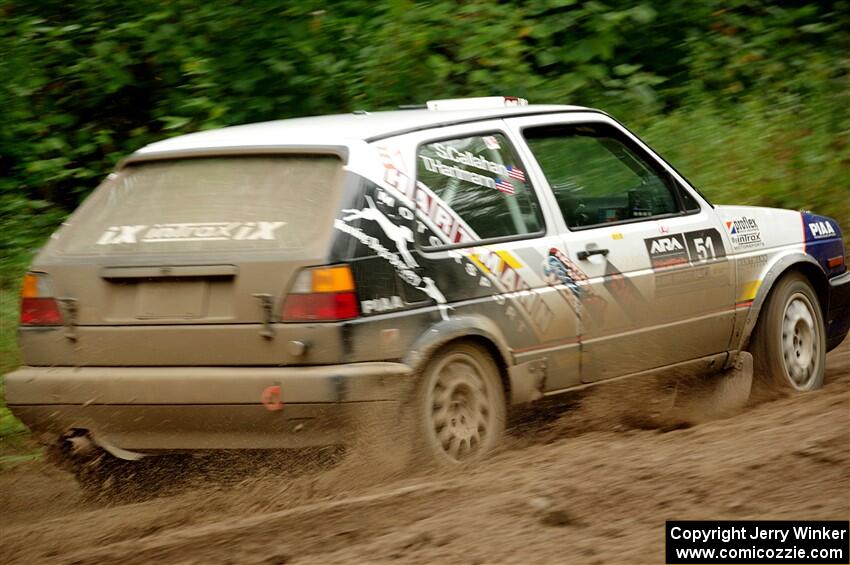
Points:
point(258, 286)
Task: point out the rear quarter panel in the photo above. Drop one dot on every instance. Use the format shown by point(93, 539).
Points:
point(498, 289)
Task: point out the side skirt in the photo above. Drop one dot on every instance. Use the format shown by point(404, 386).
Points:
point(705, 365)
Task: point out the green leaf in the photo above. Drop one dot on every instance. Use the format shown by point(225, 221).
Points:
point(174, 122)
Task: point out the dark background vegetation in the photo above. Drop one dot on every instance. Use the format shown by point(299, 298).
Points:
point(749, 99)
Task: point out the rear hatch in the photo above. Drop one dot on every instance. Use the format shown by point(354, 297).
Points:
point(170, 262)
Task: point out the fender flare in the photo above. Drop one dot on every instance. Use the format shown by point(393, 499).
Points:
point(773, 274)
point(444, 331)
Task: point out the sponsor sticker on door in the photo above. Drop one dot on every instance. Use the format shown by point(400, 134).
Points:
point(667, 251)
point(744, 233)
point(684, 248)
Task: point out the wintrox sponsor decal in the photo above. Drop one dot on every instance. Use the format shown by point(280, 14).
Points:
point(744, 233)
point(190, 231)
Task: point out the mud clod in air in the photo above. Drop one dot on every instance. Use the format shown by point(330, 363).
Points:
point(558, 518)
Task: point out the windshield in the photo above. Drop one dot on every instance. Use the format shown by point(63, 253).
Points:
point(208, 204)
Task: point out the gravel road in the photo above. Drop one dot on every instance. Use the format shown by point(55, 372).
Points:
point(585, 487)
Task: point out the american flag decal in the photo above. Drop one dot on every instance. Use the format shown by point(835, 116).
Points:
point(505, 186)
point(515, 173)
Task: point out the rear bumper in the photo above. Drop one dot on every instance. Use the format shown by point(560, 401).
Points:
point(184, 408)
point(838, 316)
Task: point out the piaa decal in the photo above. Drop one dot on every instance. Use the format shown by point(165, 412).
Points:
point(820, 230)
point(382, 304)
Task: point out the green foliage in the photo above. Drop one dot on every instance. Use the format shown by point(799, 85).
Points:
point(15, 443)
point(83, 84)
point(757, 91)
point(759, 155)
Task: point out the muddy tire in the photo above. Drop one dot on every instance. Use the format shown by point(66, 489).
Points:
point(789, 341)
point(459, 406)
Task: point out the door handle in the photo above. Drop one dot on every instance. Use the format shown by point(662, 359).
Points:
point(583, 255)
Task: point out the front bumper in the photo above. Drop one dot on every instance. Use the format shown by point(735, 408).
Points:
point(185, 408)
point(838, 316)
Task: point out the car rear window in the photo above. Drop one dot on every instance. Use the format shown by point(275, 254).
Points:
point(208, 204)
point(474, 188)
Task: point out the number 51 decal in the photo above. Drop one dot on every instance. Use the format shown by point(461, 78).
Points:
point(705, 245)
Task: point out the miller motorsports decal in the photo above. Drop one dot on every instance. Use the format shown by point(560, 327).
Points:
point(744, 233)
point(197, 231)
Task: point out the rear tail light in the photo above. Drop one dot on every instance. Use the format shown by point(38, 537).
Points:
point(38, 306)
point(322, 294)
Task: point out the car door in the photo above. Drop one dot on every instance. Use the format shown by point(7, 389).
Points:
point(656, 287)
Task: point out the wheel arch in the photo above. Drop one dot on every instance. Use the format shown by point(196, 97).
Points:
point(470, 329)
point(797, 262)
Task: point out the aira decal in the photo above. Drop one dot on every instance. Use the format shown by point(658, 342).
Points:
point(685, 248)
point(667, 251)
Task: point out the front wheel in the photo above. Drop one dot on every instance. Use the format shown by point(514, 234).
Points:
point(460, 405)
point(789, 342)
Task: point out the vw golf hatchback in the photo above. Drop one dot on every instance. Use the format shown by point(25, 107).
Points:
point(268, 285)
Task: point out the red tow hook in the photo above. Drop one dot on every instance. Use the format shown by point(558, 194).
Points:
point(272, 398)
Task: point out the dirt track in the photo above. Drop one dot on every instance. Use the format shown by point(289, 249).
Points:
point(554, 494)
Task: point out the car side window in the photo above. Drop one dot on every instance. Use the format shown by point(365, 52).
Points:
point(597, 177)
point(689, 202)
point(474, 188)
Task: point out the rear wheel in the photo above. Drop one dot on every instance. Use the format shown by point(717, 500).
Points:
point(460, 405)
point(789, 343)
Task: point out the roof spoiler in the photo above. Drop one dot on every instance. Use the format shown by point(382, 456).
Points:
point(340, 151)
point(477, 103)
